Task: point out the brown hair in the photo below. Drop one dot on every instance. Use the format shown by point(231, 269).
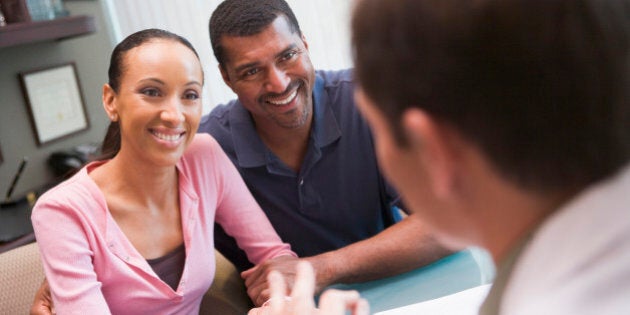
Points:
point(541, 86)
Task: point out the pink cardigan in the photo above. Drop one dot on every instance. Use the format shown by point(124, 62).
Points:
point(93, 268)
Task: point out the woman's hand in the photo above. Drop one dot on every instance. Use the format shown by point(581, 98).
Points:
point(43, 304)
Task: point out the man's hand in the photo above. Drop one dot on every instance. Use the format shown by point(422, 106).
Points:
point(43, 304)
point(256, 277)
point(332, 302)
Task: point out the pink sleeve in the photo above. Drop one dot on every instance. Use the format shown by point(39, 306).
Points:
point(67, 257)
point(241, 216)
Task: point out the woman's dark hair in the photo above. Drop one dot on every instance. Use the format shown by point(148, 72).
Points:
point(540, 86)
point(132, 41)
point(246, 18)
point(112, 141)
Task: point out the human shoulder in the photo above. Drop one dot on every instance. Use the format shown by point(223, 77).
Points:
point(335, 89)
point(574, 250)
point(78, 194)
point(221, 110)
point(334, 78)
point(219, 123)
point(218, 117)
point(80, 183)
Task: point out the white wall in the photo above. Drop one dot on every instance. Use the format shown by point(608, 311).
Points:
point(325, 23)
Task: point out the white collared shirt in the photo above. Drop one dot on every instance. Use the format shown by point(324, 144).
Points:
point(578, 262)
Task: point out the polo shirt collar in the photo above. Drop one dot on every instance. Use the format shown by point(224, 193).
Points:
point(250, 149)
point(325, 126)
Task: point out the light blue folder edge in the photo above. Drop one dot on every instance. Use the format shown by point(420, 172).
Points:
point(456, 272)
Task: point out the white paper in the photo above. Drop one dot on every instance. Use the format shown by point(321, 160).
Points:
point(466, 302)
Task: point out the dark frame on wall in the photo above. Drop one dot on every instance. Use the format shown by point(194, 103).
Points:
point(54, 102)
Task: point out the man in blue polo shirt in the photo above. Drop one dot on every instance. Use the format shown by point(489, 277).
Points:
point(306, 155)
point(335, 198)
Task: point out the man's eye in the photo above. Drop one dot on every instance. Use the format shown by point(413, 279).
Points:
point(289, 55)
point(151, 92)
point(251, 72)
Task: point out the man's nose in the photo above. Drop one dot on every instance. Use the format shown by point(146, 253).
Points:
point(277, 80)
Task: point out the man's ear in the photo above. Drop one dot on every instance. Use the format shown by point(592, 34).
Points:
point(109, 102)
point(225, 76)
point(436, 152)
point(304, 41)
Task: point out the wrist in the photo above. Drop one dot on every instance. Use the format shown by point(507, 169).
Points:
point(329, 269)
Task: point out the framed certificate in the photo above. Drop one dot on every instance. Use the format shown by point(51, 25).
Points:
point(55, 103)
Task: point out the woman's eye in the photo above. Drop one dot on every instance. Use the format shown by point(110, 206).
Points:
point(191, 96)
point(151, 92)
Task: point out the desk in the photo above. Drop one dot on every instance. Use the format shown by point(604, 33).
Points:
point(15, 220)
point(454, 273)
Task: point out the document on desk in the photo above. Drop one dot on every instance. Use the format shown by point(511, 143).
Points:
point(466, 302)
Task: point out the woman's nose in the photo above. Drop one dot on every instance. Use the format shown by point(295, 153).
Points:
point(173, 112)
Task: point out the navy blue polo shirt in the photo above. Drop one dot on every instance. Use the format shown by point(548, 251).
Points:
point(337, 198)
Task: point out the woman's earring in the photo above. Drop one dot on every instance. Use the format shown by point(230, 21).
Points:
point(114, 117)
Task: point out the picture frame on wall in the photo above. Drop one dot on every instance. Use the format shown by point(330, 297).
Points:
point(55, 102)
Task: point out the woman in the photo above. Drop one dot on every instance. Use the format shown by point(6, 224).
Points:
point(133, 232)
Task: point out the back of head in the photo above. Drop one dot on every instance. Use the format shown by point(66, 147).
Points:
point(245, 18)
point(540, 86)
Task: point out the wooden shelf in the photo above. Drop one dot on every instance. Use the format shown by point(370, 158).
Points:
point(61, 28)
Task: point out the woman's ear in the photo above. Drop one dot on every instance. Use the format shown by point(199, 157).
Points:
point(431, 140)
point(109, 102)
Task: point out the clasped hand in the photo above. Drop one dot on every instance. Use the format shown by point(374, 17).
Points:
point(301, 301)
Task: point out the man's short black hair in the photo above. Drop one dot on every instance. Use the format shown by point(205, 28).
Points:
point(246, 18)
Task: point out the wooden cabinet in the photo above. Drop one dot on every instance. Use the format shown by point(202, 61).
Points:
point(36, 31)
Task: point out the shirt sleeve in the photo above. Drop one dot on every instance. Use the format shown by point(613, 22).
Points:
point(67, 258)
point(240, 215)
